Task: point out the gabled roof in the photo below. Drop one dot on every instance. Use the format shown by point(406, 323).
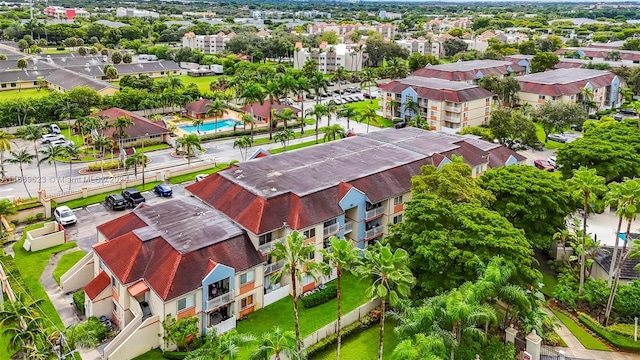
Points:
point(70, 80)
point(438, 89)
point(564, 81)
point(199, 107)
point(120, 226)
point(468, 70)
point(97, 285)
point(141, 126)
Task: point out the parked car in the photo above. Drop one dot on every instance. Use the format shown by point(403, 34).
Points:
point(52, 129)
point(558, 137)
point(350, 89)
point(286, 101)
point(339, 91)
point(360, 97)
point(544, 165)
point(47, 138)
point(310, 96)
point(400, 125)
point(115, 202)
point(552, 160)
point(64, 216)
point(61, 142)
point(367, 96)
point(133, 197)
point(576, 127)
point(163, 190)
point(618, 117)
point(628, 112)
point(201, 177)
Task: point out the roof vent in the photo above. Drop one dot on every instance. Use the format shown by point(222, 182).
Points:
point(274, 189)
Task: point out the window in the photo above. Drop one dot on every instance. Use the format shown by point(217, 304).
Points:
point(114, 283)
point(330, 222)
point(433, 113)
point(465, 115)
point(4, 86)
point(397, 200)
point(487, 99)
point(247, 277)
point(307, 279)
point(309, 233)
point(486, 109)
point(397, 219)
point(13, 84)
point(263, 239)
point(186, 302)
point(541, 97)
point(246, 302)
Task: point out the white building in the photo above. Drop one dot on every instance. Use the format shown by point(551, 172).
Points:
point(132, 12)
point(419, 45)
point(384, 15)
point(59, 12)
point(208, 44)
point(330, 57)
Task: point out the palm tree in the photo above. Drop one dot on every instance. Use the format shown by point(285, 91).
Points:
point(50, 153)
point(243, 143)
point(344, 257)
point(369, 115)
point(273, 91)
point(22, 157)
point(391, 276)
point(295, 256)
point(397, 68)
point(134, 160)
point(121, 124)
point(189, 143)
point(333, 132)
point(392, 105)
point(73, 153)
point(421, 347)
point(288, 84)
point(5, 145)
point(318, 83)
point(247, 119)
point(102, 142)
point(564, 237)
point(251, 94)
point(319, 110)
point(286, 115)
point(636, 106)
point(218, 108)
point(104, 123)
point(349, 113)
point(332, 108)
point(226, 346)
point(412, 106)
point(283, 137)
point(276, 343)
point(302, 87)
point(586, 185)
point(340, 74)
point(34, 133)
point(368, 79)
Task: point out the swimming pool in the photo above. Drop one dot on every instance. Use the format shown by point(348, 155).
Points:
point(219, 125)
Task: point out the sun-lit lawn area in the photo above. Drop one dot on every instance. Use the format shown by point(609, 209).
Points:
point(155, 354)
point(363, 345)
point(585, 338)
point(55, 51)
point(22, 94)
point(549, 144)
point(66, 262)
point(550, 283)
point(192, 175)
point(361, 106)
point(98, 198)
point(202, 81)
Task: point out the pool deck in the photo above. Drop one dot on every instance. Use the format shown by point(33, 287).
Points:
point(231, 114)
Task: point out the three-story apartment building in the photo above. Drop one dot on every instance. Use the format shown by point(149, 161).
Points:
point(470, 71)
point(208, 44)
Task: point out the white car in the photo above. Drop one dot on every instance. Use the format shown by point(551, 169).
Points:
point(47, 138)
point(201, 177)
point(61, 142)
point(552, 160)
point(64, 216)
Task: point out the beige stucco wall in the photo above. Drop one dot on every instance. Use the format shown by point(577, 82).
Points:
point(144, 339)
point(79, 275)
point(101, 306)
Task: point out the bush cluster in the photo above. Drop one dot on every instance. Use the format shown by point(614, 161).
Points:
point(78, 300)
point(321, 296)
point(627, 302)
point(106, 165)
point(622, 329)
point(619, 341)
point(256, 130)
point(91, 332)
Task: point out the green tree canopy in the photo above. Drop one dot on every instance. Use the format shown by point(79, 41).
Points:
point(452, 182)
point(513, 130)
point(542, 61)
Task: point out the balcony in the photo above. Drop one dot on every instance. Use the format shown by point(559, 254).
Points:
point(373, 213)
point(331, 229)
point(218, 301)
point(453, 119)
point(273, 267)
point(455, 109)
point(348, 227)
point(224, 326)
point(373, 232)
point(267, 247)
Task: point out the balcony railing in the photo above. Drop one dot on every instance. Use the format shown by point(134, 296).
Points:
point(216, 302)
point(373, 232)
point(267, 247)
point(348, 226)
point(273, 267)
point(373, 213)
point(453, 108)
point(224, 326)
point(453, 119)
point(331, 229)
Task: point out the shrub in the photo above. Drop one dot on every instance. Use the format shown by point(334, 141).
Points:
point(321, 296)
point(622, 329)
point(595, 294)
point(106, 165)
point(95, 326)
point(348, 330)
point(14, 222)
point(87, 334)
point(566, 290)
point(61, 48)
point(78, 300)
point(39, 216)
point(627, 302)
point(30, 219)
point(616, 340)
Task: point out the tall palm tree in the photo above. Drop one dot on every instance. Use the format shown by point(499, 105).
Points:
point(302, 87)
point(104, 123)
point(283, 137)
point(102, 142)
point(277, 343)
point(251, 94)
point(333, 132)
point(34, 133)
point(49, 154)
point(273, 92)
point(318, 83)
point(369, 115)
point(340, 74)
point(564, 237)
point(420, 347)
point(247, 119)
point(67, 109)
point(412, 106)
point(349, 113)
point(218, 108)
point(295, 256)
point(586, 185)
point(391, 276)
point(121, 124)
point(135, 160)
point(288, 84)
point(397, 68)
point(174, 83)
point(243, 143)
point(344, 257)
point(368, 79)
point(189, 143)
point(22, 157)
point(332, 108)
point(73, 153)
point(319, 110)
point(286, 115)
point(5, 145)
point(392, 105)
point(225, 346)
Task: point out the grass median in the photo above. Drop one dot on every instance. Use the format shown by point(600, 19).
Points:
point(192, 175)
point(66, 262)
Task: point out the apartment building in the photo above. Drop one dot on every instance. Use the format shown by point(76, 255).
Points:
point(208, 44)
point(209, 255)
point(447, 105)
point(330, 57)
point(470, 71)
point(419, 45)
point(138, 13)
point(566, 85)
point(444, 25)
point(626, 57)
point(59, 12)
point(387, 30)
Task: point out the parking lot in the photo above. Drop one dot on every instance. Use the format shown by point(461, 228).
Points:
point(84, 232)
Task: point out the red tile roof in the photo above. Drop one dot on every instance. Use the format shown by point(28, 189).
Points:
point(141, 126)
point(601, 53)
point(499, 156)
point(97, 285)
point(470, 154)
point(390, 183)
point(438, 89)
point(262, 110)
point(468, 70)
point(199, 107)
point(564, 81)
point(120, 226)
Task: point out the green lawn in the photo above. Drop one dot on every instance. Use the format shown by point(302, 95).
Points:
point(66, 262)
point(363, 345)
point(155, 354)
point(55, 51)
point(22, 94)
point(550, 283)
point(202, 81)
point(583, 336)
point(98, 198)
point(191, 176)
point(549, 144)
point(77, 139)
point(153, 147)
point(361, 106)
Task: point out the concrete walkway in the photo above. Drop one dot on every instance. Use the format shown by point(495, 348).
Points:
point(576, 350)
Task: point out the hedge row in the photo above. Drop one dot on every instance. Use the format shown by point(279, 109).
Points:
point(347, 331)
point(321, 296)
point(619, 341)
point(106, 165)
point(256, 131)
point(78, 300)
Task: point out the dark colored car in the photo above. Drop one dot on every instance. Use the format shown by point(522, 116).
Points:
point(628, 112)
point(576, 127)
point(558, 138)
point(115, 202)
point(310, 96)
point(163, 190)
point(544, 165)
point(133, 197)
point(400, 125)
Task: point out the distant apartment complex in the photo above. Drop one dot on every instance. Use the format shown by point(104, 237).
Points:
point(626, 57)
point(208, 44)
point(132, 12)
point(440, 26)
point(59, 12)
point(330, 57)
point(387, 30)
point(470, 71)
point(420, 46)
point(446, 105)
